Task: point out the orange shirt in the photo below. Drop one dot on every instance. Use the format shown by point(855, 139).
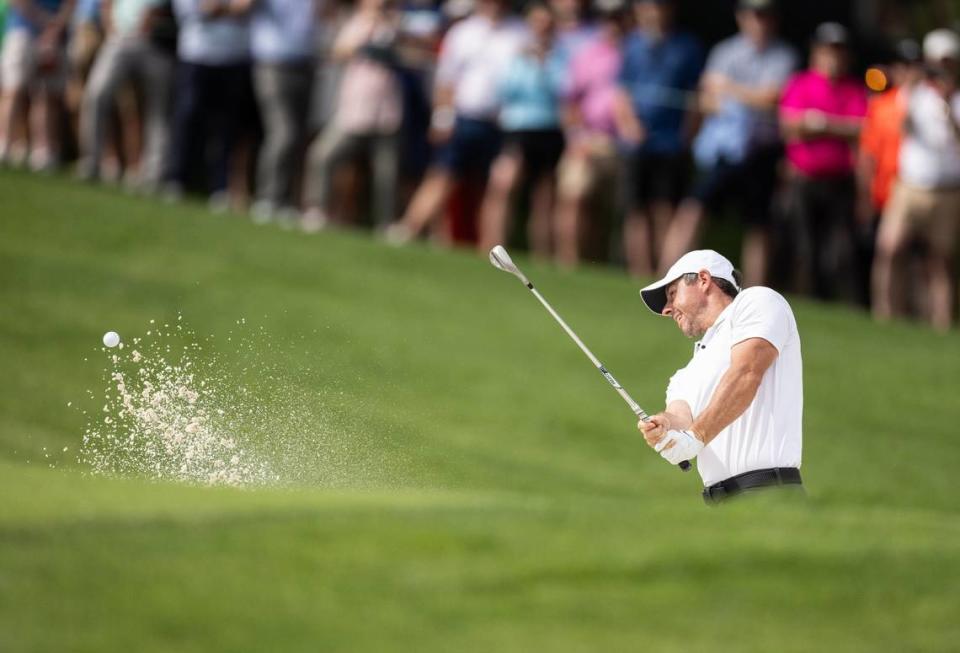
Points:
point(880, 138)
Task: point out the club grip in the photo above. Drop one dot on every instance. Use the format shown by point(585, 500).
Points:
point(685, 465)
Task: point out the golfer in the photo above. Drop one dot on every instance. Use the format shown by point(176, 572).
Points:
point(738, 404)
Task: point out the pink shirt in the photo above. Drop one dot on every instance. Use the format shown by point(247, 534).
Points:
point(593, 83)
point(829, 155)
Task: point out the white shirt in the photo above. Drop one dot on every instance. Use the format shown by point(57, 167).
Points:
point(769, 432)
point(930, 152)
point(473, 58)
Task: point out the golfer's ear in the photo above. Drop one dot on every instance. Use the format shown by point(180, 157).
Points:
point(705, 277)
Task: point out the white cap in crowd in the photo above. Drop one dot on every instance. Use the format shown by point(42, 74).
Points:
point(655, 295)
point(941, 44)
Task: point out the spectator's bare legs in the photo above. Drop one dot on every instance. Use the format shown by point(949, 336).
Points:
point(941, 286)
point(494, 214)
point(756, 250)
point(682, 234)
point(44, 132)
point(892, 239)
point(12, 104)
point(662, 212)
point(572, 193)
point(638, 243)
point(425, 207)
point(540, 226)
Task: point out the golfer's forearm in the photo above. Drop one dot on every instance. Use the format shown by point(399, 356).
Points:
point(736, 390)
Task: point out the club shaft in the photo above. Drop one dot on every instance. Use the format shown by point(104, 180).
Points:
point(634, 406)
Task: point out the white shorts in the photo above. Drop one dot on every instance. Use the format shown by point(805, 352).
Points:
point(23, 65)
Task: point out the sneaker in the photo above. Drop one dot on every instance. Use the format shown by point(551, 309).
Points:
point(41, 160)
point(263, 212)
point(313, 220)
point(398, 234)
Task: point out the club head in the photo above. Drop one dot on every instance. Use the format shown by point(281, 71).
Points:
point(502, 261)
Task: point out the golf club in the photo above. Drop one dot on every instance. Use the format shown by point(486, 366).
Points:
point(501, 260)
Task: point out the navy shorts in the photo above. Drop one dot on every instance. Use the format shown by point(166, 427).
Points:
point(750, 184)
point(540, 148)
point(650, 177)
point(472, 147)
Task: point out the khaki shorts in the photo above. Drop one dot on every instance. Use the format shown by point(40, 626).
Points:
point(23, 65)
point(932, 214)
point(597, 167)
point(85, 42)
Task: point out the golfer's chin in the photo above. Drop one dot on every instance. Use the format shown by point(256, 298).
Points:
point(689, 329)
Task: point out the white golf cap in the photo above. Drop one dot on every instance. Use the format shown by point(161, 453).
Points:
point(941, 44)
point(655, 295)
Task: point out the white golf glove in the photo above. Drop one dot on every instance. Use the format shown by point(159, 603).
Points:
point(685, 447)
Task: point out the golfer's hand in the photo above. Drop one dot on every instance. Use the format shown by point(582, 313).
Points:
point(678, 446)
point(655, 428)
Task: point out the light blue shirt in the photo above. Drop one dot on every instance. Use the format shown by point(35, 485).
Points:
point(211, 42)
point(283, 31)
point(87, 11)
point(128, 15)
point(530, 94)
point(736, 129)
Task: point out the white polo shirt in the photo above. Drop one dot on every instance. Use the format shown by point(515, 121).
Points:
point(474, 56)
point(769, 433)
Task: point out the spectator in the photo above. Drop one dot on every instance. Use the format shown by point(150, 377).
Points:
point(533, 142)
point(661, 68)
point(589, 161)
point(571, 32)
point(367, 114)
point(86, 37)
point(879, 149)
point(213, 93)
point(473, 57)
point(33, 69)
point(738, 147)
point(283, 45)
point(925, 200)
point(128, 53)
point(821, 113)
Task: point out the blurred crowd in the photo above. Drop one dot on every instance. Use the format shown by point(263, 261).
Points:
point(600, 132)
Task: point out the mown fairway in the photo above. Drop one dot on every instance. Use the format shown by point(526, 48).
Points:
point(483, 490)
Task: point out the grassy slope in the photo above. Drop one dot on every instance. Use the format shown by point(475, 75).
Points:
point(489, 494)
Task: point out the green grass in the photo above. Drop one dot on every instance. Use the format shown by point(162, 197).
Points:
point(484, 490)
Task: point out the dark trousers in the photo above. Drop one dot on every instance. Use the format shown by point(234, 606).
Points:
point(283, 92)
point(818, 237)
point(212, 103)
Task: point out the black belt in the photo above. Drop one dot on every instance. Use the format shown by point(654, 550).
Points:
point(748, 480)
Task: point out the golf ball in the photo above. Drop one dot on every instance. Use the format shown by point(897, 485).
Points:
point(111, 338)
